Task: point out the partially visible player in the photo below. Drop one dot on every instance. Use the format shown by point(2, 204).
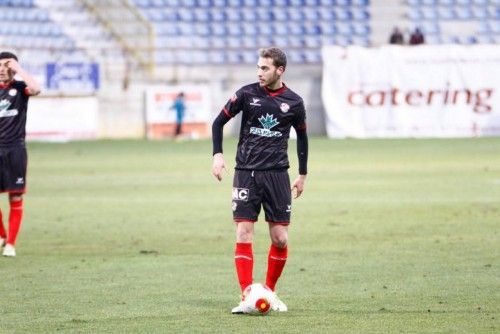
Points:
point(269, 109)
point(14, 97)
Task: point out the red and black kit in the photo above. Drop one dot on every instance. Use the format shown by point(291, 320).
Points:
point(13, 158)
point(262, 153)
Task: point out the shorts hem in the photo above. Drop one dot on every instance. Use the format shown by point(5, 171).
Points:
point(244, 220)
point(14, 191)
point(285, 223)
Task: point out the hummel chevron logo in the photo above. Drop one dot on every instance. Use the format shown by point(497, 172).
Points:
point(255, 102)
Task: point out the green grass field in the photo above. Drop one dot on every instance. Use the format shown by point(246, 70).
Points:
point(390, 236)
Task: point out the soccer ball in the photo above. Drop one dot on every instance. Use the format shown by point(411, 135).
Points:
point(257, 299)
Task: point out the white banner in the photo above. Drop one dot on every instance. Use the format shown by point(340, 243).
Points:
point(420, 91)
point(62, 119)
point(161, 118)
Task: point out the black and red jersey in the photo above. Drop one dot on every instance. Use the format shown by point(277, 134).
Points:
point(13, 109)
point(267, 117)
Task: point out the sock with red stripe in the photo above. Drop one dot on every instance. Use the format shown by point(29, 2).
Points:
point(243, 260)
point(3, 234)
point(275, 263)
point(15, 216)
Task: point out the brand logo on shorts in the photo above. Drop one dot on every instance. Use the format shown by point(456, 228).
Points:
point(240, 194)
point(289, 208)
point(20, 180)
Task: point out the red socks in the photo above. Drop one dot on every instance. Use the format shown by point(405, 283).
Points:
point(275, 263)
point(15, 216)
point(243, 259)
point(3, 234)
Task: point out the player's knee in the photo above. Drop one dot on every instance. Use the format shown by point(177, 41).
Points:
point(280, 241)
point(244, 233)
point(13, 197)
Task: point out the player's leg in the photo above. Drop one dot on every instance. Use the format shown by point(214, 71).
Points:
point(3, 233)
point(16, 164)
point(3, 177)
point(277, 206)
point(243, 254)
point(246, 208)
point(278, 253)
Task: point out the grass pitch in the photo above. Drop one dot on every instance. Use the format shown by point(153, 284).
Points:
point(390, 236)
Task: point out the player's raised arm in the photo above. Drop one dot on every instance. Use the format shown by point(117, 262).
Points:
point(32, 84)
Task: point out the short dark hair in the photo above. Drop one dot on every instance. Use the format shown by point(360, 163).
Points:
point(7, 55)
point(276, 54)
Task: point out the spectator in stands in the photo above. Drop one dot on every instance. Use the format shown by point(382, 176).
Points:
point(180, 107)
point(396, 37)
point(417, 37)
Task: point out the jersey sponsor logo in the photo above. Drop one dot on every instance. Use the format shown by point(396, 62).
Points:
point(284, 107)
point(268, 123)
point(5, 104)
point(13, 92)
point(240, 194)
point(255, 102)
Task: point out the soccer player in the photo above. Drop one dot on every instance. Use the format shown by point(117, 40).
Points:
point(269, 109)
point(14, 97)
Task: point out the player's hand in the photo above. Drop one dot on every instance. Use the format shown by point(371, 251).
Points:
point(298, 186)
point(13, 65)
point(218, 165)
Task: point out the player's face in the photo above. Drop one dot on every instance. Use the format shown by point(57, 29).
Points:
point(6, 74)
point(269, 75)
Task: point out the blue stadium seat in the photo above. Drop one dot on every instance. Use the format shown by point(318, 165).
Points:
point(327, 14)
point(446, 13)
point(217, 15)
point(310, 14)
point(220, 3)
point(295, 14)
point(328, 28)
point(464, 13)
point(217, 57)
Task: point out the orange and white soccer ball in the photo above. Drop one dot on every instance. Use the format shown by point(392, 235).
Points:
point(257, 299)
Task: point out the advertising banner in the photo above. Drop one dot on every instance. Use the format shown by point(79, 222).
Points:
point(161, 115)
point(62, 119)
point(420, 91)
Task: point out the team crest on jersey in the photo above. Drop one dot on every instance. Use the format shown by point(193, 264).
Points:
point(267, 122)
point(13, 92)
point(284, 107)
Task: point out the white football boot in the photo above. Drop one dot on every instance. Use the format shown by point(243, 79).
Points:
point(9, 250)
point(277, 305)
point(240, 309)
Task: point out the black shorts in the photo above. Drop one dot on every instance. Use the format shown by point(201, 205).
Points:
point(13, 163)
point(270, 189)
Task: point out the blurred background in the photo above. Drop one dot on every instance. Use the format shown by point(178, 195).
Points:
point(112, 68)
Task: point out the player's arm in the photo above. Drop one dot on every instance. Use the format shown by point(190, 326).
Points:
point(32, 85)
point(302, 153)
point(232, 107)
point(217, 134)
